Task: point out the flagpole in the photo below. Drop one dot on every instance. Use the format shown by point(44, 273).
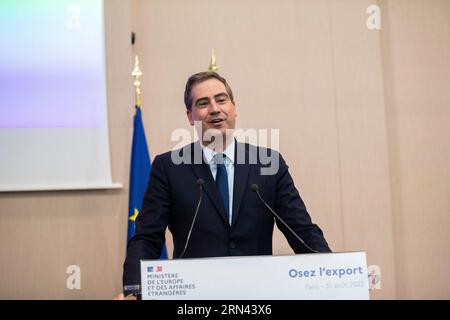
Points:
point(137, 74)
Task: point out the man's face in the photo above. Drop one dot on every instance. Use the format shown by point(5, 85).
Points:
point(212, 106)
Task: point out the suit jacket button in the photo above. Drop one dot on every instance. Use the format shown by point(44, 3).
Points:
point(232, 245)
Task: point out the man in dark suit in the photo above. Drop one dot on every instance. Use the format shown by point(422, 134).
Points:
point(231, 219)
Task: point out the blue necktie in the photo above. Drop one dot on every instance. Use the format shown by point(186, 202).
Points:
point(222, 182)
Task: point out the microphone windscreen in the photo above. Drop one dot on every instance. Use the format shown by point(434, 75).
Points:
point(254, 187)
point(200, 182)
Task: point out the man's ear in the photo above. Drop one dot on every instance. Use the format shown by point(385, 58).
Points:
point(189, 116)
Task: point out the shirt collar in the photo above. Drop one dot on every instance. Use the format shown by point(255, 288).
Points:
point(209, 153)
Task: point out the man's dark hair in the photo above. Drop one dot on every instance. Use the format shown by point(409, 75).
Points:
point(200, 77)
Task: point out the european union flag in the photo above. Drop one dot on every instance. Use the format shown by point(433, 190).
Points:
point(139, 174)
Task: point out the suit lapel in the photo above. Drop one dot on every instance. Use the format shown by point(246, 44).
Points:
point(241, 171)
point(202, 170)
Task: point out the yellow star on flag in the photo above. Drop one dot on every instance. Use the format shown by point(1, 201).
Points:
point(133, 217)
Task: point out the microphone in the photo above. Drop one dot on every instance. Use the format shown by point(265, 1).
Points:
point(200, 182)
point(254, 187)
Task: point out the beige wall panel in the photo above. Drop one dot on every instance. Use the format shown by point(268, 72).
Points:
point(416, 64)
point(361, 122)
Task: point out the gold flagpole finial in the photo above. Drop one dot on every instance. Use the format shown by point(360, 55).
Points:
point(137, 74)
point(212, 64)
